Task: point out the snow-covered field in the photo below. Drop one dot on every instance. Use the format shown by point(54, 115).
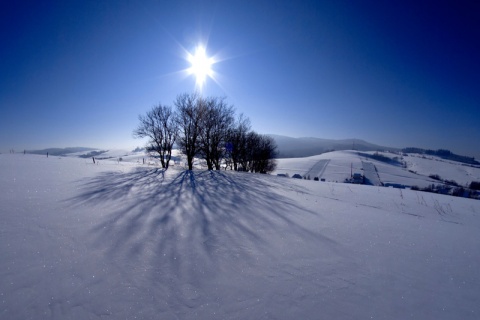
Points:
point(123, 240)
point(416, 173)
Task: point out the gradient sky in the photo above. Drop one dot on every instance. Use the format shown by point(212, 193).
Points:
point(394, 73)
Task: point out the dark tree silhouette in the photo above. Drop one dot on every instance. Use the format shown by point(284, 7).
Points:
point(207, 127)
point(237, 142)
point(259, 154)
point(160, 126)
point(475, 185)
point(191, 109)
point(265, 155)
point(215, 125)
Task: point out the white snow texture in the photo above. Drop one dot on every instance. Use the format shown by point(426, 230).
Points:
point(123, 240)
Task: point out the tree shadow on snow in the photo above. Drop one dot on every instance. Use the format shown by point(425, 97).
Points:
point(190, 219)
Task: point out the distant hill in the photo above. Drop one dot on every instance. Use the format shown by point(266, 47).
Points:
point(289, 147)
point(60, 151)
point(444, 154)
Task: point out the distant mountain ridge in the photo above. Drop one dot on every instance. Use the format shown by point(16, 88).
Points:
point(60, 151)
point(289, 147)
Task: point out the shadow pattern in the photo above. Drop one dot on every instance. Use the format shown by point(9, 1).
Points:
point(185, 226)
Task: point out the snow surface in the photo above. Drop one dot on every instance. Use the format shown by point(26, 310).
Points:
point(340, 165)
point(121, 240)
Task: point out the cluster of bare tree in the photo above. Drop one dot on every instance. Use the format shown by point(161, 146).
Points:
point(207, 128)
point(249, 151)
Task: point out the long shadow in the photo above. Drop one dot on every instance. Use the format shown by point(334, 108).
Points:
point(190, 218)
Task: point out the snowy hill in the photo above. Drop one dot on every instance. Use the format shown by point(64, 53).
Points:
point(124, 240)
point(382, 168)
point(289, 147)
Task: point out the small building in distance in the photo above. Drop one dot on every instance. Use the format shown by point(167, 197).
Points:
point(297, 176)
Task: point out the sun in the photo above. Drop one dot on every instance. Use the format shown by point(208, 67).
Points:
point(201, 65)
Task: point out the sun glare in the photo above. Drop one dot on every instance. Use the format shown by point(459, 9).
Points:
point(200, 65)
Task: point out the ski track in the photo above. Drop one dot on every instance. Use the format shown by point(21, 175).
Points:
point(371, 174)
point(318, 169)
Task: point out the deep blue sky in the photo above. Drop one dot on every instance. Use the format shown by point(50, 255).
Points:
point(395, 73)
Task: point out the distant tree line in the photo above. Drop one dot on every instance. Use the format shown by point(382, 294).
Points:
point(442, 153)
point(206, 127)
point(92, 154)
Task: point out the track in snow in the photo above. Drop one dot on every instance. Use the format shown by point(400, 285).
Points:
point(371, 174)
point(318, 168)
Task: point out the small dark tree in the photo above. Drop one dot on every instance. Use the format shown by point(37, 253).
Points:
point(475, 185)
point(190, 112)
point(160, 126)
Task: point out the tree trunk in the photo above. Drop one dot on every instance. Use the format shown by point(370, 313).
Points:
point(190, 162)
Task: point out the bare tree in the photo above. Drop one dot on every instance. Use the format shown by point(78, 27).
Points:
point(265, 155)
point(160, 127)
point(260, 152)
point(207, 127)
point(216, 122)
point(236, 145)
point(190, 112)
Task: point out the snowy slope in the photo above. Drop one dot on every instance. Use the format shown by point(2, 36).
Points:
point(449, 170)
point(416, 173)
point(122, 240)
